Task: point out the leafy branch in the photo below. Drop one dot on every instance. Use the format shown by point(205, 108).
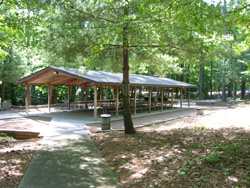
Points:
point(94, 16)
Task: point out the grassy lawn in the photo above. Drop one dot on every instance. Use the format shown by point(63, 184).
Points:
point(192, 154)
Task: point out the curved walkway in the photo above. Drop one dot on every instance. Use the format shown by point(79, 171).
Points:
point(68, 158)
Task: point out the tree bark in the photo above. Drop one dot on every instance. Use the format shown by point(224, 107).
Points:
point(182, 74)
point(230, 88)
point(201, 81)
point(223, 81)
point(128, 123)
point(186, 80)
point(235, 88)
point(3, 92)
point(211, 80)
point(243, 89)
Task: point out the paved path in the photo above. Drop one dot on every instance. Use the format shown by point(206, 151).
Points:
point(68, 158)
point(154, 117)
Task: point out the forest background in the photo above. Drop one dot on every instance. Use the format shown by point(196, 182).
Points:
point(205, 43)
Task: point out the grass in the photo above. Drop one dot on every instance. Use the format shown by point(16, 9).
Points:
point(4, 137)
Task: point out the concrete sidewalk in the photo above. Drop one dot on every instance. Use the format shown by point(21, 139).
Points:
point(68, 158)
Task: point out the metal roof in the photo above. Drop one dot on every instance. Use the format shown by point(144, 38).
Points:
point(78, 77)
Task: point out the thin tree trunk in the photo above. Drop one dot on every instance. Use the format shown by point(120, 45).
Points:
point(182, 74)
point(243, 88)
point(230, 88)
point(3, 92)
point(201, 81)
point(82, 93)
point(128, 123)
point(211, 80)
point(235, 88)
point(186, 79)
point(223, 81)
point(224, 63)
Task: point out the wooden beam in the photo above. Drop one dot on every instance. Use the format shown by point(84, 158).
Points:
point(134, 100)
point(149, 99)
point(100, 93)
point(117, 101)
point(188, 97)
point(69, 88)
point(86, 97)
point(162, 96)
point(71, 81)
point(27, 97)
point(181, 97)
point(49, 97)
point(38, 76)
point(95, 102)
point(55, 78)
point(172, 99)
point(64, 81)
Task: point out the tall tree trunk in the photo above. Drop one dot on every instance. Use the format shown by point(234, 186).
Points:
point(3, 92)
point(128, 123)
point(235, 88)
point(230, 88)
point(201, 81)
point(82, 93)
point(223, 81)
point(182, 74)
point(211, 80)
point(243, 89)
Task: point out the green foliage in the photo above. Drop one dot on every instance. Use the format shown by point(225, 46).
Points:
point(201, 128)
point(4, 137)
point(199, 146)
point(163, 36)
point(214, 158)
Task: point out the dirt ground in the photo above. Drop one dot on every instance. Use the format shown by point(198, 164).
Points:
point(204, 151)
point(16, 154)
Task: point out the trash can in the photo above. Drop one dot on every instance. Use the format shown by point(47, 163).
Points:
point(200, 112)
point(105, 121)
point(229, 104)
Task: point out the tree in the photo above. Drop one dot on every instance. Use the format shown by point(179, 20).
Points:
point(90, 30)
point(11, 69)
point(103, 33)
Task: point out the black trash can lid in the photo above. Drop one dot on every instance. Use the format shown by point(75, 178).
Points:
point(105, 115)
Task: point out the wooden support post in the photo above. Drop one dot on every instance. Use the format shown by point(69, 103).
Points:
point(181, 98)
point(162, 96)
point(188, 97)
point(86, 97)
point(29, 91)
point(134, 100)
point(95, 102)
point(49, 96)
point(149, 99)
point(172, 99)
point(100, 93)
point(117, 101)
point(27, 97)
point(69, 87)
